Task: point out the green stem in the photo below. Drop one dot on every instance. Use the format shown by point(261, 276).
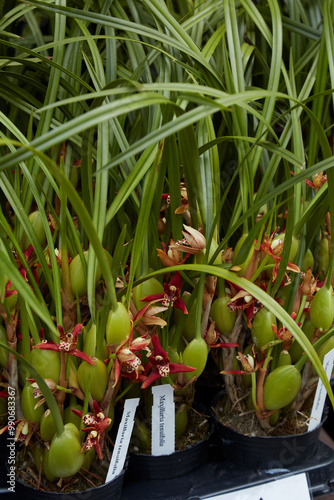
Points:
point(179, 326)
point(268, 358)
point(60, 397)
point(25, 329)
point(221, 287)
point(65, 274)
point(254, 399)
point(102, 317)
point(122, 394)
point(198, 311)
point(276, 354)
point(301, 308)
point(86, 401)
point(262, 267)
point(60, 388)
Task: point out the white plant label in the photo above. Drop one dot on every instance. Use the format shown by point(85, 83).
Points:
point(289, 488)
point(320, 395)
point(122, 439)
point(163, 420)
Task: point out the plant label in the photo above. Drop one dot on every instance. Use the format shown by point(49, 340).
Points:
point(163, 420)
point(122, 439)
point(289, 488)
point(320, 395)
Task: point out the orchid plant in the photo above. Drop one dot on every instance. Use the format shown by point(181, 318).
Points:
point(166, 196)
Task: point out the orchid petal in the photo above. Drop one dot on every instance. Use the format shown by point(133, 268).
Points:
point(165, 259)
point(176, 280)
point(158, 350)
point(180, 304)
point(117, 370)
point(142, 311)
point(154, 375)
point(153, 298)
point(77, 412)
point(154, 320)
point(293, 267)
point(48, 346)
point(194, 237)
point(77, 330)
point(78, 354)
point(174, 368)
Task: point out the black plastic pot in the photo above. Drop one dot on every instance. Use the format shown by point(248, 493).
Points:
point(107, 491)
point(146, 467)
point(265, 452)
point(329, 423)
point(208, 384)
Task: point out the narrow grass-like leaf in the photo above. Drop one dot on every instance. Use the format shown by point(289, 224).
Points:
point(37, 304)
point(139, 258)
point(131, 27)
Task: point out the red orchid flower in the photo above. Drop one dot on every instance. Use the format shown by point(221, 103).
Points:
point(244, 301)
point(319, 180)
point(160, 365)
point(283, 334)
point(249, 362)
point(37, 393)
point(172, 256)
point(40, 333)
point(127, 363)
point(274, 249)
point(68, 342)
point(170, 295)
point(193, 242)
point(8, 291)
point(211, 337)
point(184, 201)
point(22, 271)
point(23, 430)
point(309, 285)
point(96, 426)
